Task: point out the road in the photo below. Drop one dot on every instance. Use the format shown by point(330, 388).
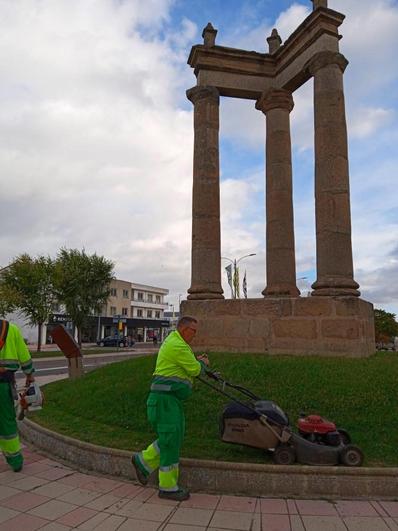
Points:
point(50, 369)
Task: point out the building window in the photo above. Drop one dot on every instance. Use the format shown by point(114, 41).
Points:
point(150, 297)
point(149, 314)
point(140, 296)
point(125, 311)
point(157, 315)
point(125, 293)
point(113, 310)
point(132, 294)
point(113, 292)
point(158, 299)
point(139, 313)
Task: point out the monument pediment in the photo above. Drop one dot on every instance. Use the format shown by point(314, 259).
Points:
point(246, 74)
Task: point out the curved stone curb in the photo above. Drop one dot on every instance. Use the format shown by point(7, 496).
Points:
point(226, 477)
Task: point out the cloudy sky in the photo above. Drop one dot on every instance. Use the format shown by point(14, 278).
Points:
point(96, 136)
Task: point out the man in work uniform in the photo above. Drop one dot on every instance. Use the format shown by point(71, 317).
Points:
point(13, 354)
point(176, 366)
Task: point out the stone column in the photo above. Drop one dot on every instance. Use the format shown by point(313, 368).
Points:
point(206, 239)
point(332, 195)
point(277, 104)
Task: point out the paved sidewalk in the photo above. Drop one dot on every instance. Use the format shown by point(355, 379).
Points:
point(51, 497)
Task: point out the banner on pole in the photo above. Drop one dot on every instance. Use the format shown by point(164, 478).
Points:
point(236, 283)
point(228, 269)
point(244, 285)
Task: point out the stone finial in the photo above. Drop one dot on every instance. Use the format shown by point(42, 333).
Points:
point(319, 3)
point(209, 35)
point(274, 41)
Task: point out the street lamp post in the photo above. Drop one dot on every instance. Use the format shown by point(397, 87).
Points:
point(235, 289)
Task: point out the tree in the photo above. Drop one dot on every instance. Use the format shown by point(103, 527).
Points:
point(386, 327)
point(8, 299)
point(82, 284)
point(28, 285)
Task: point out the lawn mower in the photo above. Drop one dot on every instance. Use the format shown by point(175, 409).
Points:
point(263, 424)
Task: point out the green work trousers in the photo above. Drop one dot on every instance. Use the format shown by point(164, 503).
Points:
point(166, 415)
point(9, 440)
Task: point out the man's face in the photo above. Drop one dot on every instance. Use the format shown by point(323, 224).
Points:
point(188, 332)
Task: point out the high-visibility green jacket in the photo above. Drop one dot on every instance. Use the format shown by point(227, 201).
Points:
point(176, 367)
point(15, 353)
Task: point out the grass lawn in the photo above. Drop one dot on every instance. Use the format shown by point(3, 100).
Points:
point(107, 406)
point(86, 351)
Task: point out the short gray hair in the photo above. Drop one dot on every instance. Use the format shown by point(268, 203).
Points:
point(186, 321)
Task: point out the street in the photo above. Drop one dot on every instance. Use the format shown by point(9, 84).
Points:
point(56, 368)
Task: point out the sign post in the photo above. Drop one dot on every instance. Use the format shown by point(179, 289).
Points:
point(119, 320)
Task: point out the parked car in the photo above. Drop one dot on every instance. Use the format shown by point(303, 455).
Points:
point(114, 341)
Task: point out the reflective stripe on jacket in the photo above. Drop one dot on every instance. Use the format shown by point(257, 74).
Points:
point(15, 353)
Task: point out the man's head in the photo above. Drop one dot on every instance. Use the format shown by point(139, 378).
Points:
point(187, 327)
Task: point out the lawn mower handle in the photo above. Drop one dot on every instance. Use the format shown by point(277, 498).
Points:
point(215, 375)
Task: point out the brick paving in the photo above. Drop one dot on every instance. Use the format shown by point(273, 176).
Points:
point(52, 497)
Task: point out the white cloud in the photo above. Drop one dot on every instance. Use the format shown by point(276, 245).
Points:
point(256, 38)
point(370, 40)
point(366, 121)
point(93, 145)
point(290, 19)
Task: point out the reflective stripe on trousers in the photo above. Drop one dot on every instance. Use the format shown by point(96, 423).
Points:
point(166, 414)
point(9, 440)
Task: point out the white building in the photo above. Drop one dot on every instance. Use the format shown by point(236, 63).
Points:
point(133, 309)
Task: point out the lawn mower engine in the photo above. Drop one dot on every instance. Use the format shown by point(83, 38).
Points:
point(319, 430)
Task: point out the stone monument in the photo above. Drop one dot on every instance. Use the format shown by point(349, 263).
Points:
point(334, 320)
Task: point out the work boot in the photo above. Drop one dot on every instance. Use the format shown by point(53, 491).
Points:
point(176, 495)
point(141, 476)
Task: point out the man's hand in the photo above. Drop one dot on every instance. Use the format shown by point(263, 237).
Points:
point(29, 379)
point(205, 359)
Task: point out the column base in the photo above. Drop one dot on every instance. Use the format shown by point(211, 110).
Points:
point(204, 293)
point(281, 290)
point(204, 296)
point(335, 287)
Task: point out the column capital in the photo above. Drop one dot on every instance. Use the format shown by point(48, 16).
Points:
point(199, 92)
point(325, 58)
point(275, 99)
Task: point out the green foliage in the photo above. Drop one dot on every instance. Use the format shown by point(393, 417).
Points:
point(386, 327)
point(8, 299)
point(82, 283)
point(28, 284)
point(108, 406)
